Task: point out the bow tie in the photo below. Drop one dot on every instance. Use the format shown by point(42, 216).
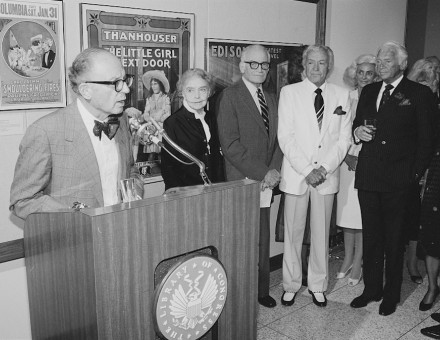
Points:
point(109, 128)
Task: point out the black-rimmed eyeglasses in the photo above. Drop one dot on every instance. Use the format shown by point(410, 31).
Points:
point(118, 84)
point(254, 65)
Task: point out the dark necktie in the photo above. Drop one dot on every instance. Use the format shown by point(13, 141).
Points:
point(264, 109)
point(319, 107)
point(386, 95)
point(110, 127)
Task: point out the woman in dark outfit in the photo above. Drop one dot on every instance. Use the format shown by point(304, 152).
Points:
point(195, 130)
point(424, 72)
point(430, 221)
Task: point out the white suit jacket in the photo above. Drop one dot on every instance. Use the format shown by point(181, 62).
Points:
point(305, 147)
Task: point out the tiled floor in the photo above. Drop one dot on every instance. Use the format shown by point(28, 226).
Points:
point(338, 320)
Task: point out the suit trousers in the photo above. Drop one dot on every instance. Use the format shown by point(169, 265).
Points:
point(382, 227)
point(264, 253)
point(295, 215)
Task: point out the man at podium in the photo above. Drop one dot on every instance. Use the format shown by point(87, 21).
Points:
point(76, 156)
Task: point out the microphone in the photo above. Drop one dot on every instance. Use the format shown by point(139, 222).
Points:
point(160, 131)
point(147, 132)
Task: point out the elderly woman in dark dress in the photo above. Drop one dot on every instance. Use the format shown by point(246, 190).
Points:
point(195, 130)
point(430, 213)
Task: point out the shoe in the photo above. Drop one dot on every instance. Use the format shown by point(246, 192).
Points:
point(386, 309)
point(416, 279)
point(354, 282)
point(267, 301)
point(432, 332)
point(427, 306)
point(341, 275)
point(362, 301)
point(435, 316)
point(319, 298)
point(288, 302)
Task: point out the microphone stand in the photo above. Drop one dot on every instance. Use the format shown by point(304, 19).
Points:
point(153, 138)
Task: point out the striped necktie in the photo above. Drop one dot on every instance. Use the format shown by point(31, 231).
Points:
point(319, 107)
point(264, 109)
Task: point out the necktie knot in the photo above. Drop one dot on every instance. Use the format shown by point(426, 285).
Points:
point(389, 87)
point(318, 91)
point(110, 127)
point(386, 94)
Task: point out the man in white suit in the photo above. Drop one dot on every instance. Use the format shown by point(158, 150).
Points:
point(314, 133)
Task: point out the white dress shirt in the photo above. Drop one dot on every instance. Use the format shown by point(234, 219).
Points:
point(106, 152)
point(254, 92)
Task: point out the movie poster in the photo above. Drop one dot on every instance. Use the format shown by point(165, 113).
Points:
point(156, 47)
point(223, 58)
point(32, 63)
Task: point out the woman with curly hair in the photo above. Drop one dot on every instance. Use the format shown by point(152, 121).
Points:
point(348, 214)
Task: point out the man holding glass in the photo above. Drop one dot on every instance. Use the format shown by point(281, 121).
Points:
point(394, 156)
point(247, 123)
point(76, 156)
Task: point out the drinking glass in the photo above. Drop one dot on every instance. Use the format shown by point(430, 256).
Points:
point(128, 190)
point(371, 123)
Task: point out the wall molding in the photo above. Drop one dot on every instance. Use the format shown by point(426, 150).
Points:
point(11, 250)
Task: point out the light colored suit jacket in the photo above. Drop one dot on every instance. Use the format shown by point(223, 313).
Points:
point(305, 147)
point(57, 165)
point(248, 150)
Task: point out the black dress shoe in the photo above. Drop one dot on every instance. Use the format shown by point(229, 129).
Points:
point(416, 279)
point(267, 301)
point(287, 302)
point(362, 301)
point(387, 308)
point(432, 332)
point(427, 306)
point(436, 316)
point(316, 302)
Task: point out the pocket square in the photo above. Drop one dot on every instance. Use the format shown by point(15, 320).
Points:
point(338, 111)
point(405, 102)
point(402, 100)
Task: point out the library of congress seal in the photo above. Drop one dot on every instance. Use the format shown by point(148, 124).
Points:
point(190, 298)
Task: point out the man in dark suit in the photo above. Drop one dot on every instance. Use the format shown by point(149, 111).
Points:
point(393, 157)
point(81, 152)
point(247, 123)
point(48, 55)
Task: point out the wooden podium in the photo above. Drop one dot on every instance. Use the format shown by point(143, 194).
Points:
point(91, 273)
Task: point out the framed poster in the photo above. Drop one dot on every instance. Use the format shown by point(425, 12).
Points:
point(32, 71)
point(223, 58)
point(153, 46)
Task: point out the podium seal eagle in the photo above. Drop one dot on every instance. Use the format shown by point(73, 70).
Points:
point(190, 298)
